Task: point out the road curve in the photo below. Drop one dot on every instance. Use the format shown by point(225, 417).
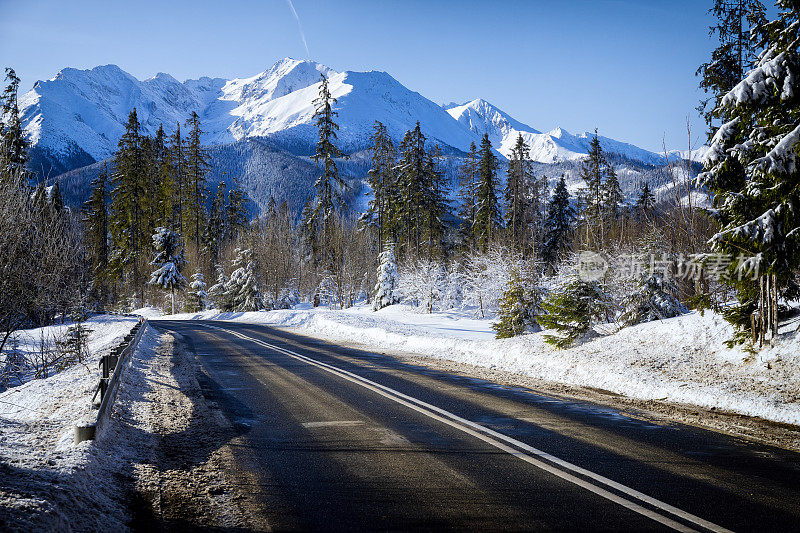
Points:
point(343, 439)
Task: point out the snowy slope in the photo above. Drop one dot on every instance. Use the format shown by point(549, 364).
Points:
point(552, 147)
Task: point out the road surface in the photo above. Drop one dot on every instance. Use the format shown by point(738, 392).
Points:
point(342, 439)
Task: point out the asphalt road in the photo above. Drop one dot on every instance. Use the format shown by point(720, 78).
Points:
point(342, 439)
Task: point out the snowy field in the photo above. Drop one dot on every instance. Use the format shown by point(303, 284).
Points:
point(681, 360)
point(41, 469)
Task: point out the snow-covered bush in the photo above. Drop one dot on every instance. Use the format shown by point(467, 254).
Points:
point(386, 290)
point(422, 284)
point(486, 276)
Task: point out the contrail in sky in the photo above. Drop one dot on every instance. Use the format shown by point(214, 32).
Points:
point(300, 27)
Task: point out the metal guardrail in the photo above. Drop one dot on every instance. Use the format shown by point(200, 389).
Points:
point(111, 367)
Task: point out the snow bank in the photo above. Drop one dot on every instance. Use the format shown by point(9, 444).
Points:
point(682, 359)
point(42, 473)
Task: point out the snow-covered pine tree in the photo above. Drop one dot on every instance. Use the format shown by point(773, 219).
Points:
point(735, 54)
point(559, 224)
point(752, 169)
point(518, 309)
point(572, 310)
point(435, 205)
point(217, 292)
point(241, 289)
point(198, 297)
point(468, 196)
point(487, 218)
point(387, 289)
point(169, 260)
point(518, 197)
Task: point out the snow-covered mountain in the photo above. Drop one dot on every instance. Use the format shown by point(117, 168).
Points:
point(77, 117)
point(552, 147)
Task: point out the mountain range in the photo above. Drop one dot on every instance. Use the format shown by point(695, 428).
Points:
point(76, 118)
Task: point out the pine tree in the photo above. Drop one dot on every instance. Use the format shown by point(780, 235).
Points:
point(169, 260)
point(435, 204)
point(198, 297)
point(752, 169)
point(95, 217)
point(236, 212)
point(216, 226)
point(487, 218)
point(646, 201)
point(177, 163)
point(572, 310)
point(386, 290)
point(218, 294)
point(329, 184)
point(519, 197)
point(468, 196)
point(518, 311)
point(382, 182)
point(560, 220)
point(197, 166)
point(412, 178)
point(126, 214)
point(613, 198)
point(592, 173)
point(13, 144)
point(735, 54)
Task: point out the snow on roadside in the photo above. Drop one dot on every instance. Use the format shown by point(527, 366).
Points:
point(681, 360)
point(42, 472)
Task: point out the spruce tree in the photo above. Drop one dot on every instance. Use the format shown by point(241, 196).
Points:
point(126, 213)
point(177, 163)
point(487, 218)
point(572, 309)
point(382, 182)
point(95, 217)
point(435, 204)
point(468, 197)
point(646, 201)
point(241, 290)
point(613, 198)
point(593, 170)
point(169, 260)
point(412, 178)
point(559, 224)
point(518, 309)
point(236, 212)
point(329, 184)
point(13, 144)
point(752, 169)
point(518, 197)
point(735, 55)
point(197, 166)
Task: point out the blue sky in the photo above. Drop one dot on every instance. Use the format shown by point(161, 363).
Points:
point(625, 67)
